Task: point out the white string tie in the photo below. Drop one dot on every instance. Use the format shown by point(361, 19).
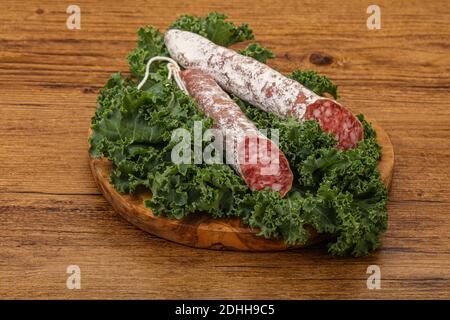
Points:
point(174, 72)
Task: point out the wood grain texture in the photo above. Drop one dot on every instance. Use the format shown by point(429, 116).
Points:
point(203, 231)
point(52, 215)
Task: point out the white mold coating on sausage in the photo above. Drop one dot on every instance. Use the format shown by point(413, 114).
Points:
point(249, 79)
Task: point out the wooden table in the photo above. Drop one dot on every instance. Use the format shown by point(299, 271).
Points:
point(52, 215)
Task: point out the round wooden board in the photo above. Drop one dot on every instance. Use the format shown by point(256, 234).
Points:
point(201, 230)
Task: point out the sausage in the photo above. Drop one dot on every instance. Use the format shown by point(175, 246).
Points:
point(262, 86)
point(256, 158)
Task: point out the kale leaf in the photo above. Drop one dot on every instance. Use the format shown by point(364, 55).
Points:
point(258, 52)
point(187, 188)
point(215, 28)
point(315, 82)
point(150, 44)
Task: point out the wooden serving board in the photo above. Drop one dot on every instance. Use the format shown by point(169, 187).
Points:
point(201, 230)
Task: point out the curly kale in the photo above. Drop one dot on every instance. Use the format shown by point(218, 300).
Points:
point(150, 44)
point(258, 52)
point(315, 82)
point(215, 28)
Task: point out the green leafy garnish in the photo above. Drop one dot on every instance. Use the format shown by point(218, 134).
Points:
point(338, 193)
point(215, 28)
point(150, 44)
point(318, 83)
point(258, 52)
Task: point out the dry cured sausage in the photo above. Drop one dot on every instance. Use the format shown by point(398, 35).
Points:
point(262, 86)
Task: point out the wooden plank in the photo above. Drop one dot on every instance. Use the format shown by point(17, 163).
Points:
point(42, 234)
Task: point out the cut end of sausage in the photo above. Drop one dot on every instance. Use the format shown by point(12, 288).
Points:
point(334, 118)
point(262, 165)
